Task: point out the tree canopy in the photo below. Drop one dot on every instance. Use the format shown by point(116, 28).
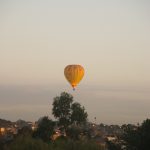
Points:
point(78, 114)
point(138, 139)
point(68, 112)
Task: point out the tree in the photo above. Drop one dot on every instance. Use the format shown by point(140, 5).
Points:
point(62, 108)
point(139, 138)
point(68, 112)
point(45, 129)
point(78, 115)
point(145, 135)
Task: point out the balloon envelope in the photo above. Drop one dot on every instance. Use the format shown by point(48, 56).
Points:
point(74, 74)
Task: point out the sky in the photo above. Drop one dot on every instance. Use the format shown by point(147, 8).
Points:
point(109, 38)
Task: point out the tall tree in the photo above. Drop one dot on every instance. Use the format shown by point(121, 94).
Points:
point(145, 135)
point(138, 139)
point(68, 112)
point(62, 108)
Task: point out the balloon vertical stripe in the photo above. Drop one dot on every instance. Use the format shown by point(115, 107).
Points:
point(74, 74)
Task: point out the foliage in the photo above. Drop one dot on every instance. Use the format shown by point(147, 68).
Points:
point(138, 139)
point(145, 135)
point(68, 112)
point(25, 131)
point(132, 137)
point(45, 129)
point(74, 132)
point(62, 108)
point(24, 142)
point(113, 146)
point(78, 114)
point(75, 145)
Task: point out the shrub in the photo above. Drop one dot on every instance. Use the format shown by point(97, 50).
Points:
point(27, 143)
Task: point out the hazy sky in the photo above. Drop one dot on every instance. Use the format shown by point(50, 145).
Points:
point(110, 38)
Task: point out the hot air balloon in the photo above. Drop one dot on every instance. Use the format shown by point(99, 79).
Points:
point(74, 74)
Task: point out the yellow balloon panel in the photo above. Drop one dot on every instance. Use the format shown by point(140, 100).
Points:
point(74, 74)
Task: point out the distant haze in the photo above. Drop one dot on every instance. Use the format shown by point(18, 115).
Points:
point(109, 38)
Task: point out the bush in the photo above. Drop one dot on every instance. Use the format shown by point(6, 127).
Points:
point(27, 143)
point(45, 129)
point(67, 144)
